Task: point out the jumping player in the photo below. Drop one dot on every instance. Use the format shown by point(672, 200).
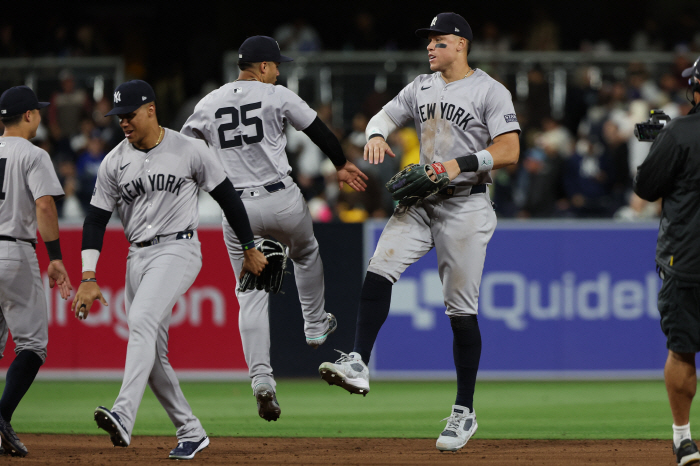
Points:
point(28, 187)
point(460, 112)
point(153, 177)
point(244, 122)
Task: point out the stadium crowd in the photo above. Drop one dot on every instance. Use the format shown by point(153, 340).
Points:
point(579, 165)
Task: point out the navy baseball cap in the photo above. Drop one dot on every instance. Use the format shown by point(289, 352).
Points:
point(447, 23)
point(693, 71)
point(130, 95)
point(17, 100)
point(260, 48)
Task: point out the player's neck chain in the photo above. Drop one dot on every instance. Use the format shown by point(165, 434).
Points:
point(160, 137)
point(469, 73)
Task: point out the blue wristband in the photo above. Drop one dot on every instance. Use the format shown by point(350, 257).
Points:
point(249, 245)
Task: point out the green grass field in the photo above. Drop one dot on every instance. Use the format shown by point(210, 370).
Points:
point(310, 408)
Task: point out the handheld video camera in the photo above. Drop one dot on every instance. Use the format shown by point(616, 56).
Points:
point(647, 131)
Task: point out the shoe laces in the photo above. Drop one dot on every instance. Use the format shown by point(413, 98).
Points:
point(344, 358)
point(453, 421)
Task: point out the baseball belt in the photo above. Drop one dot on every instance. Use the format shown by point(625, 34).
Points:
point(453, 190)
point(270, 188)
point(14, 240)
point(187, 234)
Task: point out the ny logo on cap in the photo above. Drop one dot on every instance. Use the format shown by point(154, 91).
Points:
point(117, 97)
point(434, 21)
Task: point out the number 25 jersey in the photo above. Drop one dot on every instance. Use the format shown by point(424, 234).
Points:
point(244, 122)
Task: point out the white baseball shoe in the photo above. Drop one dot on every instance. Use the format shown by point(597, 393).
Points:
point(318, 341)
point(348, 372)
point(461, 425)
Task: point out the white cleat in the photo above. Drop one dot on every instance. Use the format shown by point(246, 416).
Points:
point(318, 341)
point(461, 425)
point(348, 372)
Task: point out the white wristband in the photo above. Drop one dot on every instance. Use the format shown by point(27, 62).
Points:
point(485, 161)
point(90, 257)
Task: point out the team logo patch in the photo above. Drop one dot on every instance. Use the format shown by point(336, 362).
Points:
point(511, 118)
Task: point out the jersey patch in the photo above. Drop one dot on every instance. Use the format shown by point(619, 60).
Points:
point(511, 118)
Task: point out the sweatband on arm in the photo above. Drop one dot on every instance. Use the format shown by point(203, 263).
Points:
point(480, 162)
point(94, 227)
point(54, 249)
point(90, 257)
point(380, 125)
point(324, 138)
point(234, 210)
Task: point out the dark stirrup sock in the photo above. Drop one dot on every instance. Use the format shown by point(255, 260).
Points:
point(466, 349)
point(19, 378)
point(374, 309)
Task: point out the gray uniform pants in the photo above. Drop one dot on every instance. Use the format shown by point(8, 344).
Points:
point(458, 227)
point(22, 299)
point(285, 216)
point(156, 276)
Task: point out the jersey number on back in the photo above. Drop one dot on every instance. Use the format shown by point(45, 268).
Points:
point(3, 162)
point(245, 119)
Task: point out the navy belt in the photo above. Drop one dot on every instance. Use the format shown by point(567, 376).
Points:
point(450, 189)
point(14, 240)
point(270, 188)
point(187, 234)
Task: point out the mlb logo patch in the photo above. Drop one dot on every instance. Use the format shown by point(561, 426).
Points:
point(511, 118)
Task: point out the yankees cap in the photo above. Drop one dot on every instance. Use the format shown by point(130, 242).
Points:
point(130, 95)
point(447, 23)
point(17, 100)
point(693, 71)
point(260, 48)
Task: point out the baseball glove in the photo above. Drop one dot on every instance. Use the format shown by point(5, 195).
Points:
point(270, 279)
point(412, 184)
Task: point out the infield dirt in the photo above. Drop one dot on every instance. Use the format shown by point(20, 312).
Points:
point(84, 449)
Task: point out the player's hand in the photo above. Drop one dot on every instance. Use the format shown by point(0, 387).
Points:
point(375, 150)
point(353, 176)
point(451, 167)
point(87, 293)
point(58, 276)
point(254, 262)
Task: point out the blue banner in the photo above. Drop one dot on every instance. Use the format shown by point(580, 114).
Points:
point(575, 299)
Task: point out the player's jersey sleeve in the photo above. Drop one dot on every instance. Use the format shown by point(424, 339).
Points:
point(402, 107)
point(207, 170)
point(499, 111)
point(295, 109)
point(106, 192)
point(41, 176)
point(197, 125)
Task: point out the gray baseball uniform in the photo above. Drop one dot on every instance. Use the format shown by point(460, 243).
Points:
point(244, 123)
point(155, 193)
point(453, 119)
point(26, 174)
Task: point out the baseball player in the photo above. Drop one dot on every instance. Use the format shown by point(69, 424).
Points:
point(467, 127)
point(153, 177)
point(244, 122)
point(28, 187)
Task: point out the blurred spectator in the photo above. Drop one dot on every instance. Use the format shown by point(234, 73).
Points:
point(88, 43)
point(544, 32)
point(353, 206)
point(492, 40)
point(587, 180)
point(9, 48)
point(68, 106)
point(581, 95)
point(79, 142)
point(87, 167)
point(109, 128)
point(647, 39)
point(297, 36)
point(305, 158)
point(363, 35)
point(640, 85)
point(537, 104)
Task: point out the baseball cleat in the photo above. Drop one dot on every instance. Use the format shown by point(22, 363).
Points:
point(461, 425)
point(112, 424)
point(686, 454)
point(318, 341)
point(187, 450)
point(268, 408)
point(10, 442)
point(348, 372)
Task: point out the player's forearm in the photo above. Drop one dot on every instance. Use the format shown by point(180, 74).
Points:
point(505, 150)
point(380, 124)
point(234, 210)
point(47, 222)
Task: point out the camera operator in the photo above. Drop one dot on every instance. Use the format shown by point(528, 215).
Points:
point(672, 171)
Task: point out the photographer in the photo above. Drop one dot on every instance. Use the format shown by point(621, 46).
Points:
point(672, 171)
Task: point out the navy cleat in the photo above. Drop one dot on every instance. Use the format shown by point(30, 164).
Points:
point(10, 442)
point(110, 422)
point(687, 453)
point(187, 450)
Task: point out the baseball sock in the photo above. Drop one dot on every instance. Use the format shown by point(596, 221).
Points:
point(19, 378)
point(466, 349)
point(375, 302)
point(680, 433)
